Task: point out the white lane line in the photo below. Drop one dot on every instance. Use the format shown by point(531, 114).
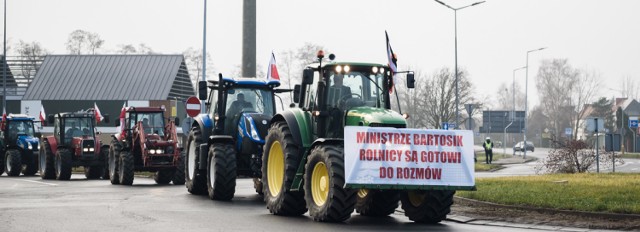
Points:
point(37, 182)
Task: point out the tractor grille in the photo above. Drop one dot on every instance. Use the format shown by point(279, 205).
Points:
point(387, 125)
point(88, 143)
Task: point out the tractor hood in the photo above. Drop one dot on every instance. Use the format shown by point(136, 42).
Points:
point(372, 116)
point(27, 142)
point(254, 126)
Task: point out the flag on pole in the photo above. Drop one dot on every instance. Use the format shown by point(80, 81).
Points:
point(393, 62)
point(96, 110)
point(42, 115)
point(272, 73)
point(123, 113)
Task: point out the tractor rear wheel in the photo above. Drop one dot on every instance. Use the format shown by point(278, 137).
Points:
point(377, 203)
point(196, 181)
point(427, 206)
point(92, 172)
point(45, 156)
point(221, 175)
point(30, 166)
point(13, 162)
point(125, 168)
point(163, 176)
point(178, 175)
point(325, 195)
point(280, 161)
point(63, 164)
point(113, 165)
point(2, 164)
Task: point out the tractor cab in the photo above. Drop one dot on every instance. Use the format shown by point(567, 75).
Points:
point(348, 93)
point(18, 131)
point(76, 131)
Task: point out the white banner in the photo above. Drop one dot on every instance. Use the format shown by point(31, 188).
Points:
point(390, 156)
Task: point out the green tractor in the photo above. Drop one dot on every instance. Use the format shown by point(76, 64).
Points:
point(304, 161)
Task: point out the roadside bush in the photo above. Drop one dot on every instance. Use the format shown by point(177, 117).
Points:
point(574, 156)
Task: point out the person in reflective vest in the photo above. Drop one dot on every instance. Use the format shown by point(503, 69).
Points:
point(488, 150)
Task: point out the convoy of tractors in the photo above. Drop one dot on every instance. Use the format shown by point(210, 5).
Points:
point(295, 157)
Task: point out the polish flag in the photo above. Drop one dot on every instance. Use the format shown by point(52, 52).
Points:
point(272, 73)
point(123, 113)
point(42, 115)
point(393, 62)
point(99, 117)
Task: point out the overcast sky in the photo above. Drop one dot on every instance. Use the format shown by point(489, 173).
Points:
point(493, 37)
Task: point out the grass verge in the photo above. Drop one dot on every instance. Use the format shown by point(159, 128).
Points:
point(481, 166)
point(612, 192)
point(629, 155)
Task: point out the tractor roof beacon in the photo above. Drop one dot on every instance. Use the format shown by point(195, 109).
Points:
point(75, 143)
point(18, 145)
point(304, 150)
point(227, 140)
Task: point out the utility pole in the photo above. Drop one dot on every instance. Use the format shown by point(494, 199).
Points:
point(249, 38)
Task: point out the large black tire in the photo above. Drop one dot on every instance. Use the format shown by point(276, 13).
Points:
point(277, 195)
point(163, 176)
point(114, 156)
point(427, 206)
point(30, 165)
point(178, 176)
point(47, 162)
point(2, 164)
point(221, 172)
point(63, 164)
point(326, 198)
point(377, 203)
point(93, 172)
point(196, 181)
point(13, 162)
point(104, 154)
point(126, 168)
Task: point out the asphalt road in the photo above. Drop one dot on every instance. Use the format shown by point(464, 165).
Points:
point(32, 204)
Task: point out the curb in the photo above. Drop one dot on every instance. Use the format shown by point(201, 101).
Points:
point(552, 211)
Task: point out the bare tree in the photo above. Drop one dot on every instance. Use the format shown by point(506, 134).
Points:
point(126, 49)
point(555, 82)
point(585, 89)
point(193, 58)
point(630, 88)
point(31, 55)
point(505, 96)
point(83, 42)
point(308, 53)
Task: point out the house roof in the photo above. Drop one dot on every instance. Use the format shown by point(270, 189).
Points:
point(111, 77)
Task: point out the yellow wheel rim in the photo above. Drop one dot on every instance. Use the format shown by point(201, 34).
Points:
point(362, 193)
point(275, 168)
point(416, 198)
point(320, 183)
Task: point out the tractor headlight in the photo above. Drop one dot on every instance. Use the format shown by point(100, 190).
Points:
point(158, 151)
point(38, 146)
point(254, 131)
point(86, 149)
point(347, 68)
point(91, 149)
point(29, 146)
point(152, 151)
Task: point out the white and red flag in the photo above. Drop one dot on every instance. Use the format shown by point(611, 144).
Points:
point(272, 73)
point(43, 115)
point(96, 110)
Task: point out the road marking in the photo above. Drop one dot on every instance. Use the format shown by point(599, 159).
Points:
point(37, 182)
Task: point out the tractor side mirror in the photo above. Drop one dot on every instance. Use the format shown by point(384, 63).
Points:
point(202, 90)
point(50, 119)
point(307, 77)
point(177, 121)
point(106, 118)
point(411, 81)
point(296, 93)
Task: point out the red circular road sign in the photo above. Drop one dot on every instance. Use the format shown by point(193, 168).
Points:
point(193, 106)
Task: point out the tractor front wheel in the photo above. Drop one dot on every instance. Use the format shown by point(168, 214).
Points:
point(113, 165)
point(178, 176)
point(377, 203)
point(125, 168)
point(31, 164)
point(163, 176)
point(45, 156)
point(221, 176)
point(195, 180)
point(325, 195)
point(430, 206)
point(280, 161)
point(104, 154)
point(63, 164)
point(13, 162)
point(93, 172)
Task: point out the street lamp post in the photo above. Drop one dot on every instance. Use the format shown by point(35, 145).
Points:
point(513, 90)
point(525, 99)
point(455, 28)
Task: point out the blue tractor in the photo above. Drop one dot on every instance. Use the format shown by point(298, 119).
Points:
point(19, 145)
point(227, 141)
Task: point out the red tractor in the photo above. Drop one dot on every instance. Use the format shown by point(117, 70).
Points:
point(74, 143)
point(145, 143)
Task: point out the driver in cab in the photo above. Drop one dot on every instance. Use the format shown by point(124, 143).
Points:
point(238, 105)
point(338, 91)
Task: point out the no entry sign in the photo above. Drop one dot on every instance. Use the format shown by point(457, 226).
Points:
point(193, 106)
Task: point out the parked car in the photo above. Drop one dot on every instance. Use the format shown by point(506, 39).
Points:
point(519, 146)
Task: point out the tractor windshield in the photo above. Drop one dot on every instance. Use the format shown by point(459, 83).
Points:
point(20, 127)
point(78, 127)
point(152, 122)
point(359, 88)
point(249, 100)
